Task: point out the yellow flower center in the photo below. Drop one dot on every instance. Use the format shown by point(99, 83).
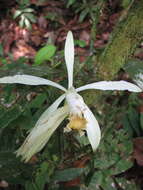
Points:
point(77, 123)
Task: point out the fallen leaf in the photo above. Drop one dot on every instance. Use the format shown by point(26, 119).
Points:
point(23, 49)
point(42, 22)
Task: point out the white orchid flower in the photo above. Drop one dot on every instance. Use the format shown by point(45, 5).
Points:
point(79, 115)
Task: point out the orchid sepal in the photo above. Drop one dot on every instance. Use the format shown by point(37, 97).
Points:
point(111, 85)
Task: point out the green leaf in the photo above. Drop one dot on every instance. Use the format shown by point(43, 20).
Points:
point(96, 179)
point(133, 67)
point(70, 2)
point(129, 185)
point(83, 14)
point(126, 3)
point(1, 50)
point(17, 14)
point(38, 101)
point(42, 175)
point(28, 10)
point(30, 17)
point(68, 174)
point(27, 23)
point(12, 169)
point(3, 61)
point(9, 116)
point(141, 120)
point(21, 22)
point(121, 166)
point(20, 68)
point(45, 54)
point(80, 43)
point(133, 118)
point(30, 186)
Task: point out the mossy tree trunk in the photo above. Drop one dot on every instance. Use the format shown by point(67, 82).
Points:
point(126, 36)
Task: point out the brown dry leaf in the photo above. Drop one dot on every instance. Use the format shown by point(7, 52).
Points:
point(12, 33)
point(50, 35)
point(58, 12)
point(85, 36)
point(82, 54)
point(140, 109)
point(138, 150)
point(46, 3)
point(105, 36)
point(113, 18)
point(141, 95)
point(7, 35)
point(74, 182)
point(99, 44)
point(37, 40)
point(84, 25)
point(23, 49)
point(73, 25)
point(55, 3)
point(21, 33)
point(33, 160)
point(139, 53)
point(7, 40)
point(42, 22)
point(81, 163)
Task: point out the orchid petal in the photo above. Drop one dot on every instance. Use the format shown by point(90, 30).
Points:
point(79, 108)
point(29, 80)
point(69, 57)
point(111, 85)
point(92, 128)
point(47, 113)
point(37, 139)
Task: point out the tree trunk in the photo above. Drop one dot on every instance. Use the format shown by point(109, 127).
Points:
point(126, 36)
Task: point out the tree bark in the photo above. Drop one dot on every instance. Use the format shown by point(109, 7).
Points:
point(123, 42)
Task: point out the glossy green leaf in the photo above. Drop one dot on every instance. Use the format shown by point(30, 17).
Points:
point(17, 14)
point(80, 43)
point(45, 54)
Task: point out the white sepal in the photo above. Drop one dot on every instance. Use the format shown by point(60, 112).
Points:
point(69, 57)
point(37, 139)
point(111, 85)
point(29, 80)
point(92, 128)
